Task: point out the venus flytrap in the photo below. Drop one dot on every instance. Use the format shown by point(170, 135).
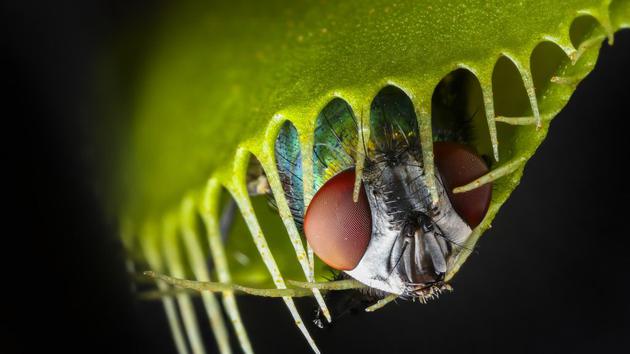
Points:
point(219, 80)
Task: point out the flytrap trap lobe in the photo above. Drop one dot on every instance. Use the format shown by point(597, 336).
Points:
point(395, 239)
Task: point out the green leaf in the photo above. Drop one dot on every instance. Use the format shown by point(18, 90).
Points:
point(214, 76)
point(216, 81)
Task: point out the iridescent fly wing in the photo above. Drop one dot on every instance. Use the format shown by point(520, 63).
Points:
point(335, 142)
point(393, 121)
point(289, 163)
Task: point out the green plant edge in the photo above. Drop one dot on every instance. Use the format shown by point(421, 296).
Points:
point(218, 81)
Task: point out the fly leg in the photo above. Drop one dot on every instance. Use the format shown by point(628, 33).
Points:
point(437, 256)
point(257, 183)
point(435, 247)
point(227, 220)
point(258, 186)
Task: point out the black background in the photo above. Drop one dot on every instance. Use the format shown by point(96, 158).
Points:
point(550, 276)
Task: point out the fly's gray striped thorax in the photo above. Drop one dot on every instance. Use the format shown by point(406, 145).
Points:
point(399, 186)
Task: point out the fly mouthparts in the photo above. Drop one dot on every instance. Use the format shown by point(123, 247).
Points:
point(430, 292)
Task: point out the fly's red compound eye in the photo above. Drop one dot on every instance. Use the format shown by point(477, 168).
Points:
point(458, 165)
point(337, 228)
